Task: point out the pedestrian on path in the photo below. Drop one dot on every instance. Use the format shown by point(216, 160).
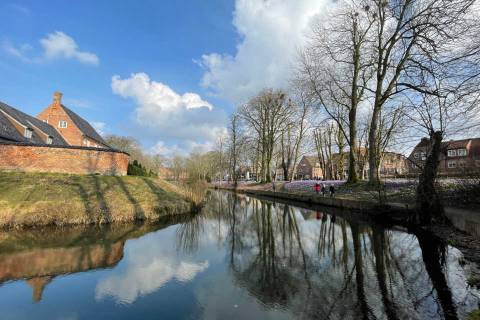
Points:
point(324, 190)
point(332, 191)
point(317, 188)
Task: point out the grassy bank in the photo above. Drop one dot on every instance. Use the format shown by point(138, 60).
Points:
point(36, 199)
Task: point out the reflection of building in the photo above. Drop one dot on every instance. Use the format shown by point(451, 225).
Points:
point(41, 265)
point(38, 256)
point(457, 156)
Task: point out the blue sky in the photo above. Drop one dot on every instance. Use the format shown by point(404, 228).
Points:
point(166, 72)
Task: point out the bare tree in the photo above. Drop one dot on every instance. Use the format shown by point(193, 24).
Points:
point(453, 109)
point(404, 31)
point(293, 133)
point(235, 142)
point(265, 114)
point(336, 69)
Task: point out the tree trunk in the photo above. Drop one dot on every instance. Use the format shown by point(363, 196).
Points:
point(429, 204)
point(352, 159)
point(373, 150)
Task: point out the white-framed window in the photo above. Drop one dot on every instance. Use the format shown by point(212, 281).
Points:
point(62, 124)
point(452, 153)
point(452, 164)
point(28, 133)
point(423, 155)
point(85, 141)
point(46, 120)
point(49, 140)
point(416, 155)
point(462, 152)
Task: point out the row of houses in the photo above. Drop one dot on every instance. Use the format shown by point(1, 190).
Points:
point(457, 157)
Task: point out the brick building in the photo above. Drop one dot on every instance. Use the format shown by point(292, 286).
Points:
point(309, 168)
point(392, 164)
point(75, 130)
point(456, 157)
point(57, 140)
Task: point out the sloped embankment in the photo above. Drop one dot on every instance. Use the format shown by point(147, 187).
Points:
point(34, 199)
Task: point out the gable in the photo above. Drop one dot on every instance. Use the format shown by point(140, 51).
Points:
point(84, 126)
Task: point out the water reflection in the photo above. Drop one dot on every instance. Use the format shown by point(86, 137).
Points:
point(39, 255)
point(320, 265)
point(239, 258)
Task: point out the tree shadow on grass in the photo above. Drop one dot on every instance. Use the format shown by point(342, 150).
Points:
point(139, 213)
point(105, 211)
point(86, 201)
point(156, 190)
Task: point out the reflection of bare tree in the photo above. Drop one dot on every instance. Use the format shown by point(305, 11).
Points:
point(357, 247)
point(189, 232)
point(268, 279)
point(380, 256)
point(434, 254)
point(318, 265)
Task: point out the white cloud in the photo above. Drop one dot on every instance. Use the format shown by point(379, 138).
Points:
point(165, 116)
point(181, 149)
point(56, 45)
point(272, 31)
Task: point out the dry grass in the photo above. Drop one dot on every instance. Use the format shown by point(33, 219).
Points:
point(33, 199)
point(193, 192)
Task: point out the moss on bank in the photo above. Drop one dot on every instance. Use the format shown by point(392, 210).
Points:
point(36, 199)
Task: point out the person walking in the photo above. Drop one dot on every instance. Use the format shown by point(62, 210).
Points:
point(324, 190)
point(332, 191)
point(317, 188)
point(273, 186)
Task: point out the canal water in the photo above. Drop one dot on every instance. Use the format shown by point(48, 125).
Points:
point(240, 258)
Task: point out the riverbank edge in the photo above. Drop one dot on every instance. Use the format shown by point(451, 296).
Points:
point(111, 199)
point(367, 207)
point(390, 214)
point(181, 208)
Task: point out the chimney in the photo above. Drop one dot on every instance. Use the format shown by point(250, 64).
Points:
point(57, 98)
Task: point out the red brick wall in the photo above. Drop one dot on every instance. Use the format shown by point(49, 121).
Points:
point(63, 160)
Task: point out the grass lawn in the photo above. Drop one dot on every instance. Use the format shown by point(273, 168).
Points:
point(33, 199)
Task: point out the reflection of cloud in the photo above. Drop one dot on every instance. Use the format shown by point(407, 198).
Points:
point(143, 277)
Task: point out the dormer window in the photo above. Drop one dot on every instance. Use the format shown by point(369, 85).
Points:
point(62, 124)
point(452, 153)
point(28, 133)
point(461, 152)
point(45, 120)
point(49, 140)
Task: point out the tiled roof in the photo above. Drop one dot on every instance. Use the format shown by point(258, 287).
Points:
point(84, 126)
point(456, 144)
point(9, 132)
point(452, 144)
point(312, 160)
